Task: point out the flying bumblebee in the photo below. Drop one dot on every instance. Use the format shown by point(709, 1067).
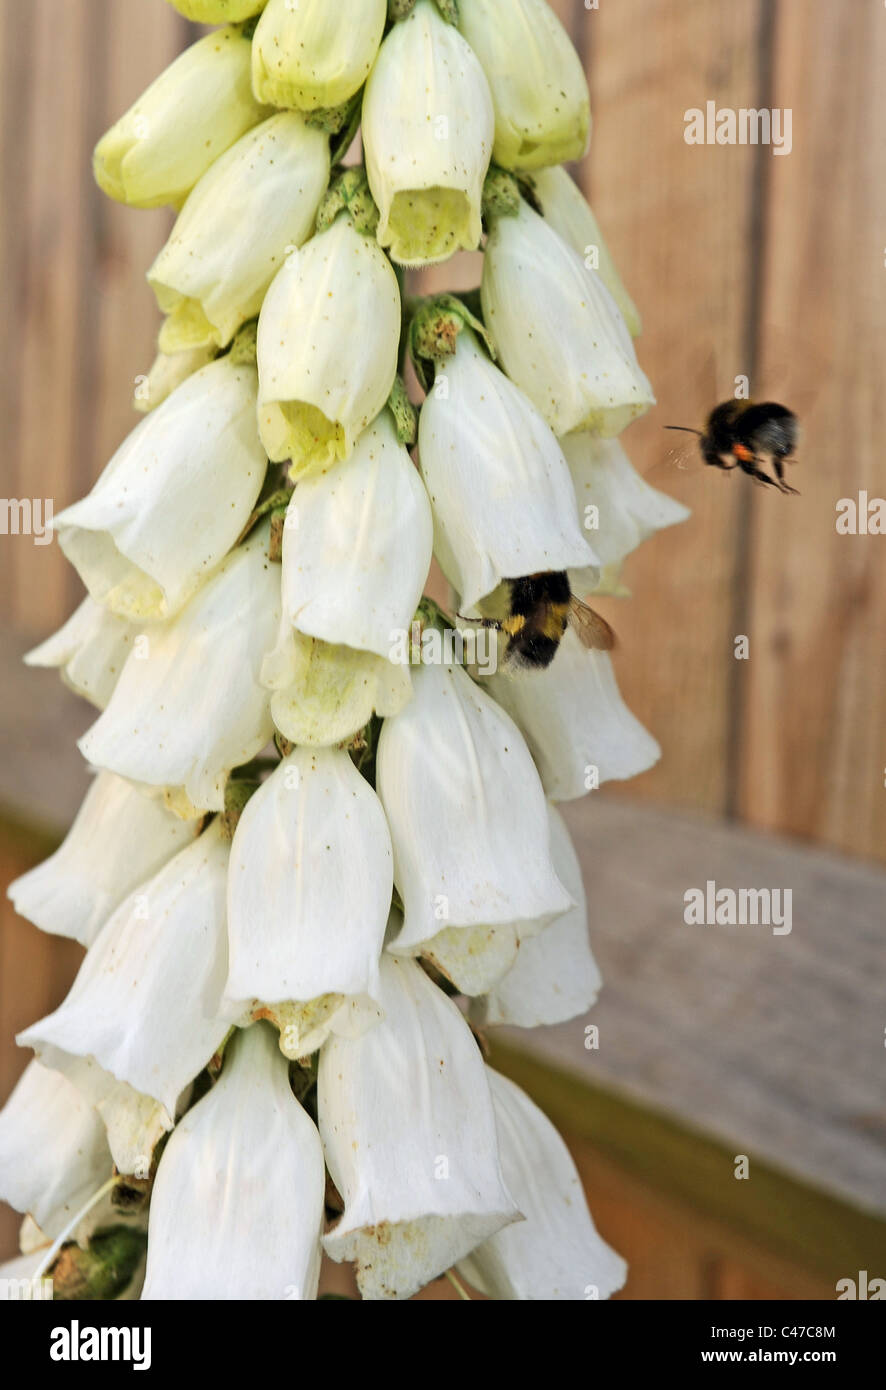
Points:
point(540, 609)
point(741, 434)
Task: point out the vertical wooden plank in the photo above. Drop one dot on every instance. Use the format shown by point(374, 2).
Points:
point(679, 220)
point(80, 317)
point(139, 41)
point(814, 726)
point(49, 201)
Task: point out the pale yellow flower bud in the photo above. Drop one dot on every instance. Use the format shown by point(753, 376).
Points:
point(311, 54)
point(428, 128)
point(542, 110)
point(218, 11)
point(231, 237)
point(190, 115)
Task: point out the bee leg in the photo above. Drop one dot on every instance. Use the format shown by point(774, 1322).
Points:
point(481, 622)
point(778, 465)
point(750, 467)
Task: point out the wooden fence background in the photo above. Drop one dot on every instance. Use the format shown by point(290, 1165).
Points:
point(741, 261)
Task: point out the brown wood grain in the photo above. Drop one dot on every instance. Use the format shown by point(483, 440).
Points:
point(680, 222)
point(813, 728)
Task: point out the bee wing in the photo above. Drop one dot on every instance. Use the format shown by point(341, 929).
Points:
point(592, 631)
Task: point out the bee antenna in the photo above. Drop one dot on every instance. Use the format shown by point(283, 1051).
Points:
point(685, 428)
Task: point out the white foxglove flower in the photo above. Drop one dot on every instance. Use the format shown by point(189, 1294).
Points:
point(558, 330)
point(258, 199)
point(237, 1206)
point(189, 707)
point(624, 509)
point(218, 11)
point(143, 1013)
point(556, 1254)
point(321, 382)
point(475, 959)
point(357, 545)
point(579, 730)
point(324, 694)
point(315, 55)
point(428, 129)
point(173, 499)
point(190, 115)
point(459, 788)
point(408, 1132)
point(309, 891)
point(555, 976)
point(539, 90)
point(500, 490)
point(168, 370)
point(89, 651)
point(53, 1150)
point(119, 838)
point(564, 206)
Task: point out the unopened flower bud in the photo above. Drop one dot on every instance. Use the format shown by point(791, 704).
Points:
point(190, 115)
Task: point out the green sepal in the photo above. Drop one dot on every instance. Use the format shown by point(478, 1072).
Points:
point(244, 351)
point(404, 413)
point(349, 192)
point(237, 793)
point(101, 1271)
point(272, 502)
point(402, 9)
point(503, 192)
point(433, 332)
point(341, 123)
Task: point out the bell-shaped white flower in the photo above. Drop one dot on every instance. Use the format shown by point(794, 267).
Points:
point(143, 1014)
point(119, 838)
point(565, 207)
point(622, 506)
point(89, 651)
point(210, 277)
point(237, 1205)
point(320, 381)
point(475, 959)
point(173, 499)
point(357, 546)
point(466, 811)
point(539, 90)
point(309, 891)
point(558, 330)
point(189, 706)
point(407, 1126)
point(315, 55)
point(324, 694)
point(428, 129)
point(168, 370)
point(500, 490)
point(53, 1150)
point(579, 730)
point(218, 11)
point(554, 976)
point(189, 115)
point(555, 1254)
